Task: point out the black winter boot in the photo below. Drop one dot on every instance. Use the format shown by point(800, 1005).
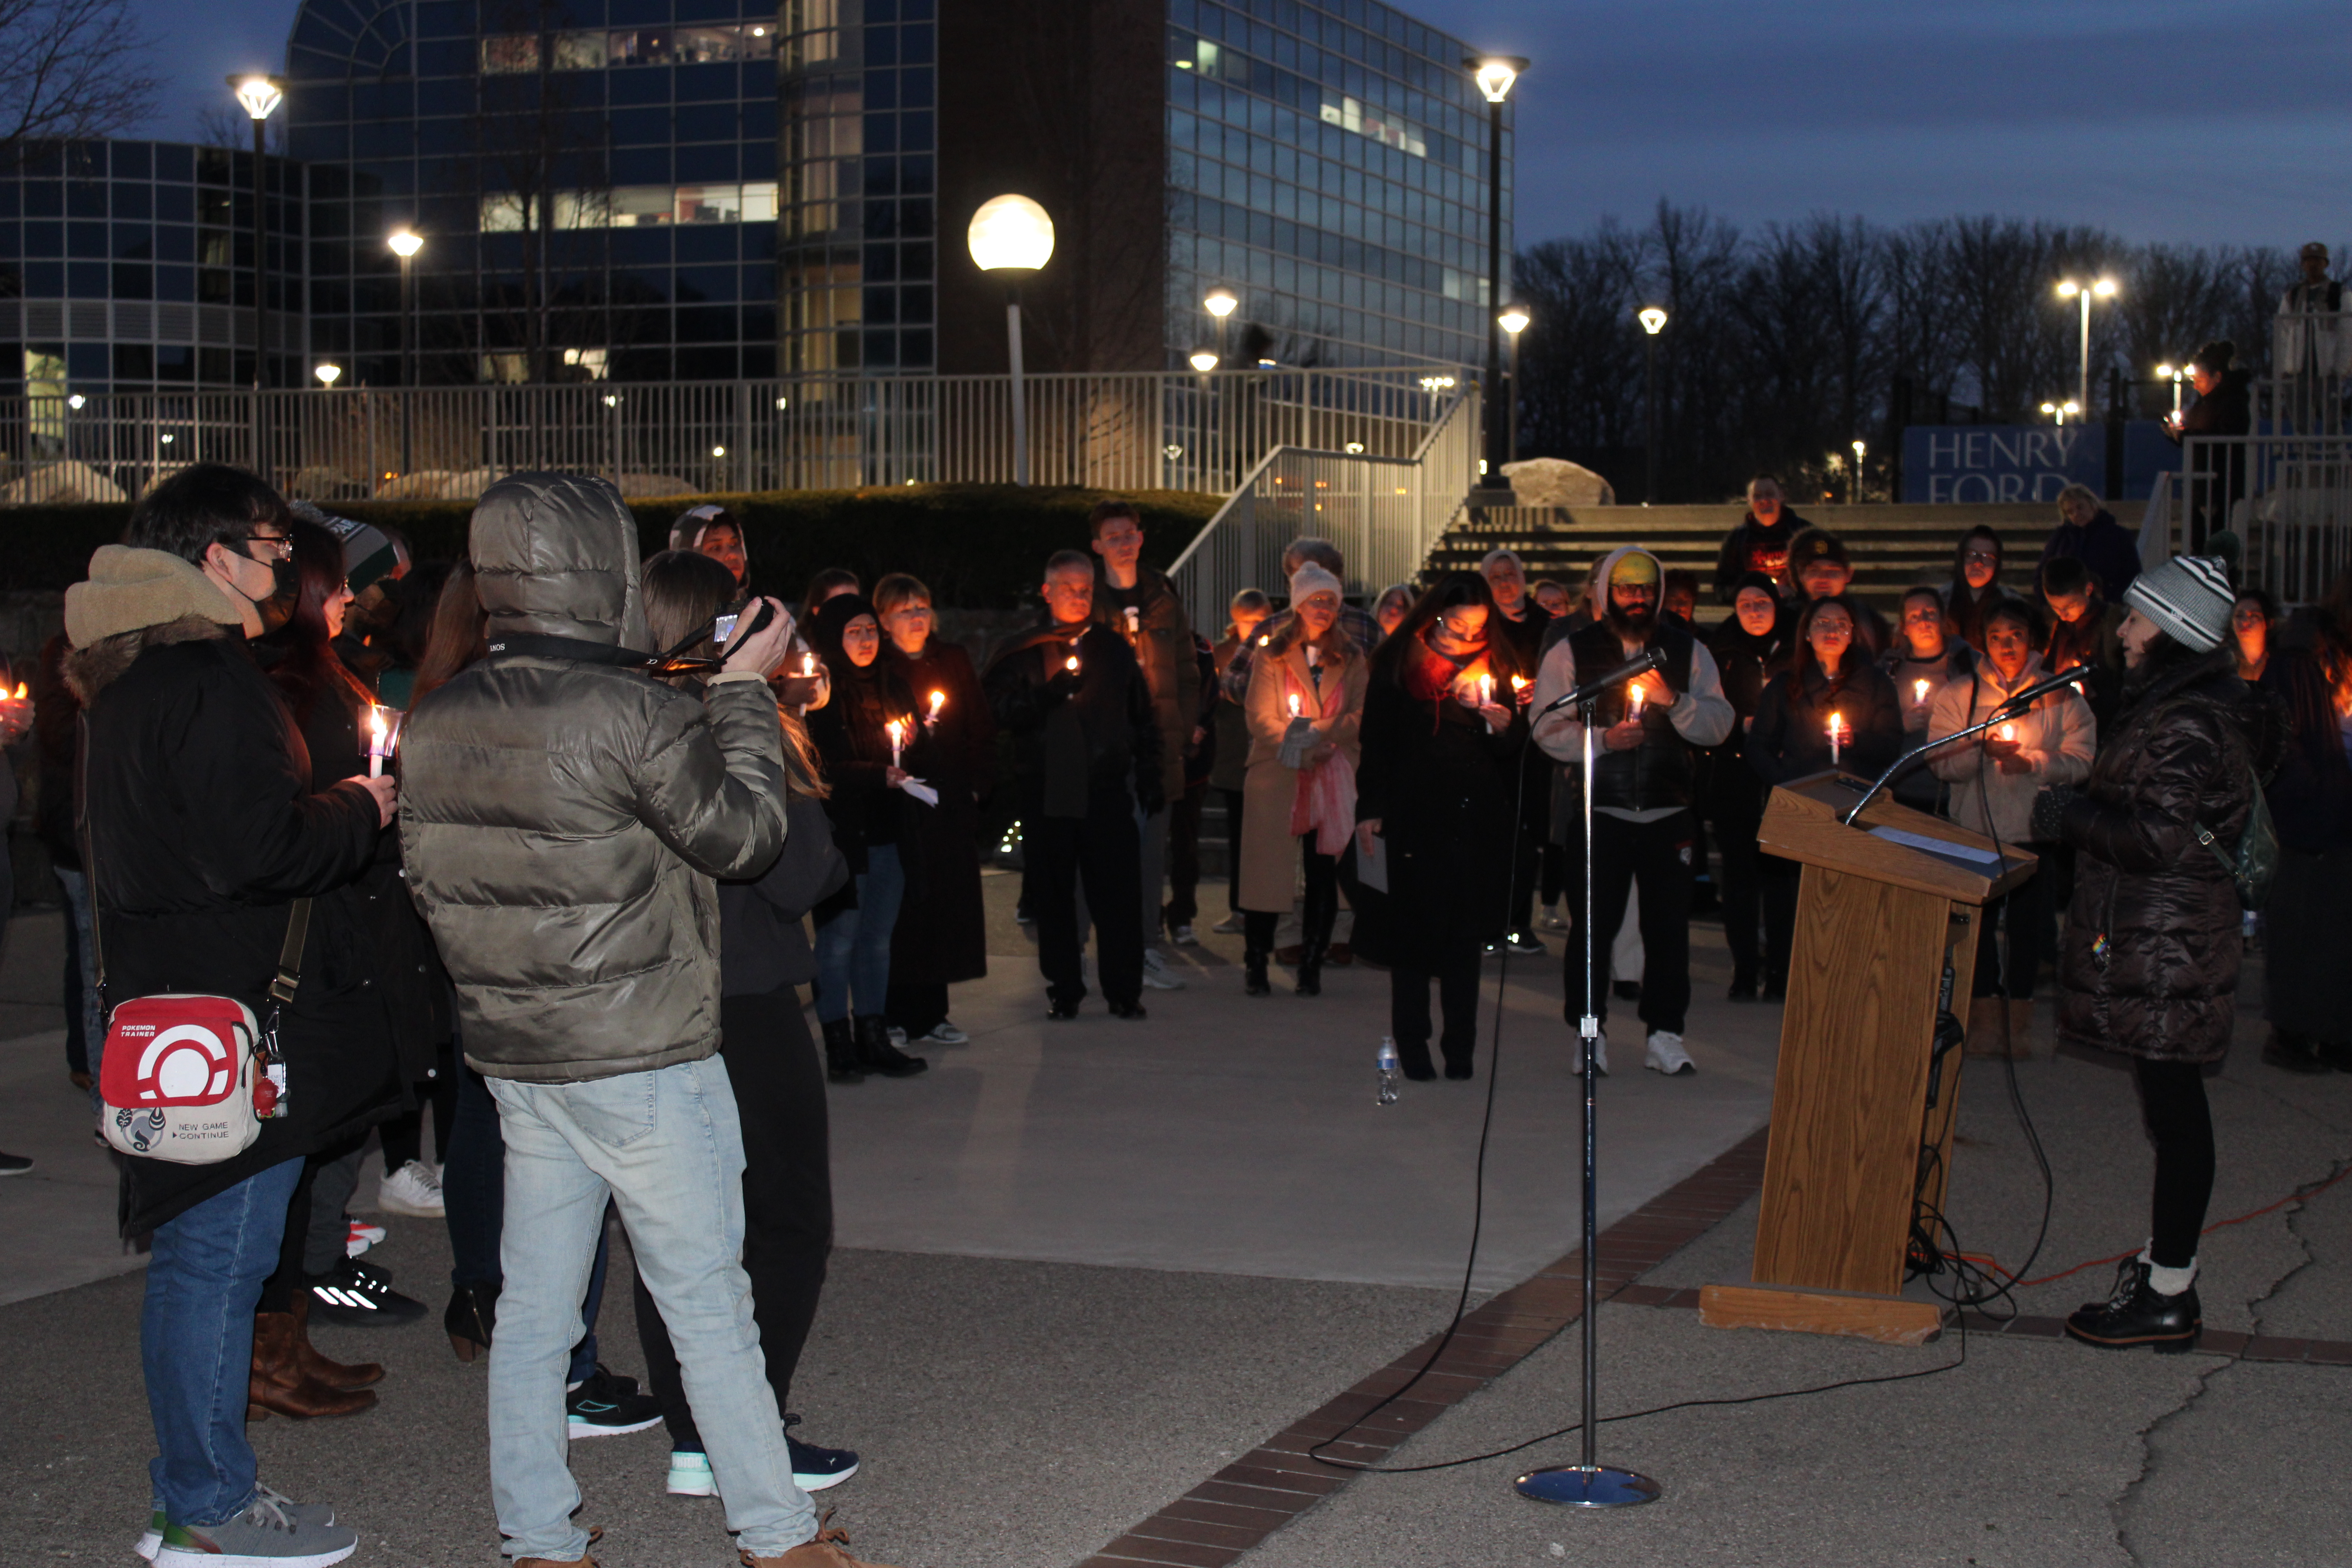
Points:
point(1314, 941)
point(876, 1054)
point(1253, 980)
point(841, 1053)
point(2137, 1315)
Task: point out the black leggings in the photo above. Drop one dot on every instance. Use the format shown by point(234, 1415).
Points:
point(2172, 1108)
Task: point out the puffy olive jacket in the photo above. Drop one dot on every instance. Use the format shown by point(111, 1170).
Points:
point(563, 815)
point(2149, 966)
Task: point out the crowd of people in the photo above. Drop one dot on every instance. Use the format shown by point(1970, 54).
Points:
point(551, 838)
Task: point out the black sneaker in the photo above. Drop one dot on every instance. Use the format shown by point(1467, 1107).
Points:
point(607, 1405)
point(357, 1294)
point(815, 1468)
point(2137, 1315)
point(14, 1164)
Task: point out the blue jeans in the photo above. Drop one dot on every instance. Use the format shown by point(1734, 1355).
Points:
point(666, 1147)
point(196, 1342)
point(853, 948)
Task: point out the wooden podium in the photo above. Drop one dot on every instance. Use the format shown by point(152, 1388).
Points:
point(1879, 917)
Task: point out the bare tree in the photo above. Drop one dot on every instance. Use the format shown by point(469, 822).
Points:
point(69, 70)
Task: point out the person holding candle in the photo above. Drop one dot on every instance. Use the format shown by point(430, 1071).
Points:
point(1643, 788)
point(1228, 771)
point(1994, 779)
point(942, 937)
point(1827, 678)
point(1356, 622)
point(1087, 759)
point(2084, 629)
point(1519, 619)
point(1924, 659)
point(871, 813)
point(1749, 648)
point(2147, 969)
point(1437, 792)
point(202, 835)
point(1760, 542)
point(1306, 707)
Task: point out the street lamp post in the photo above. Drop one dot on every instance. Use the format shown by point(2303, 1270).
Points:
point(1653, 321)
point(1011, 234)
point(1859, 449)
point(405, 244)
point(1494, 75)
point(1513, 321)
point(2068, 288)
point(259, 97)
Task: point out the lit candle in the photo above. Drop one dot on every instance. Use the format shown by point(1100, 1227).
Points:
point(1919, 693)
point(379, 740)
point(1634, 695)
point(1519, 688)
point(808, 665)
point(897, 728)
point(1071, 664)
point(939, 701)
point(1294, 705)
point(2008, 732)
point(1486, 691)
point(1837, 738)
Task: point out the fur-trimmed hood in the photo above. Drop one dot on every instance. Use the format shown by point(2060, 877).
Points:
point(91, 670)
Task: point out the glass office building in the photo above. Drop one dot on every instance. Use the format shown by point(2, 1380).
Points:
point(656, 190)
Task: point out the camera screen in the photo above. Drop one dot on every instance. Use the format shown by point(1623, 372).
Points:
point(723, 629)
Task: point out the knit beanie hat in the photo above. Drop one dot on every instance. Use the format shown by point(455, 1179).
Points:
point(130, 590)
point(369, 554)
point(2189, 596)
point(1311, 579)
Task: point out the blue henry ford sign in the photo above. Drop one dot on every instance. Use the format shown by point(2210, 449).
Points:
point(2001, 462)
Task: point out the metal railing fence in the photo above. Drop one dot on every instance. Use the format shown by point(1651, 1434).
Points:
point(1130, 431)
point(2288, 497)
point(1384, 512)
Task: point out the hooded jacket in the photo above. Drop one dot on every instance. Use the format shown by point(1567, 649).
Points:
point(563, 815)
point(205, 831)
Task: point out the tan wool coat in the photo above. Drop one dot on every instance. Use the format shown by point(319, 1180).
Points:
point(1270, 849)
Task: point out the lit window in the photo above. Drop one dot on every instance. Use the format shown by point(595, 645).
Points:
point(580, 51)
point(648, 48)
point(643, 207)
point(507, 54)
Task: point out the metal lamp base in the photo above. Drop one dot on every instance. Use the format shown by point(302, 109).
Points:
point(1587, 1486)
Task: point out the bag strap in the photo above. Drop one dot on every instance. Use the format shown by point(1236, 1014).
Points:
point(288, 975)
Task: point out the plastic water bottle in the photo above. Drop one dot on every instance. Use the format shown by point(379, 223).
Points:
point(1389, 1070)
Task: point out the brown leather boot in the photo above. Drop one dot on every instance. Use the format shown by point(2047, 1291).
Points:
point(278, 1383)
point(1985, 1016)
point(334, 1374)
point(827, 1550)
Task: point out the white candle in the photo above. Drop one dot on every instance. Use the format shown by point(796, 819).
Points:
point(2008, 732)
point(1294, 705)
point(1919, 693)
point(378, 740)
point(1486, 691)
point(1634, 699)
point(808, 665)
point(939, 701)
point(1837, 737)
point(897, 728)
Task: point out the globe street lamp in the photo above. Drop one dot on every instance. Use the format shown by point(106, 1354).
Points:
point(1494, 75)
point(1204, 361)
point(2068, 288)
point(1011, 234)
point(406, 243)
point(1653, 321)
point(259, 96)
point(328, 374)
point(1513, 321)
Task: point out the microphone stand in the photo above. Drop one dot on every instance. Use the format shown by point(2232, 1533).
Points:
point(1588, 1484)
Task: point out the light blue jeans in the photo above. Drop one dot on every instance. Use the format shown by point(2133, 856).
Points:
point(195, 1342)
point(666, 1148)
point(853, 948)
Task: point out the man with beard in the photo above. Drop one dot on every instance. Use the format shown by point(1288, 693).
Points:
point(1760, 542)
point(1642, 785)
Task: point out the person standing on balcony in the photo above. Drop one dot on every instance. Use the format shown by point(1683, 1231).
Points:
point(1760, 542)
point(1140, 604)
point(2311, 345)
point(2224, 407)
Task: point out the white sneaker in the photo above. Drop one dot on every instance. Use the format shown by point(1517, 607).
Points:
point(1230, 926)
point(944, 1033)
point(360, 1238)
point(1666, 1055)
point(412, 1190)
point(898, 1037)
point(1155, 974)
point(690, 1475)
point(1185, 937)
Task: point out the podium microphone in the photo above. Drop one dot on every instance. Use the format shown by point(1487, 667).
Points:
point(2041, 689)
point(2008, 709)
point(1640, 664)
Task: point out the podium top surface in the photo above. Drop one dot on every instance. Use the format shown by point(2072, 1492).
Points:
point(1891, 842)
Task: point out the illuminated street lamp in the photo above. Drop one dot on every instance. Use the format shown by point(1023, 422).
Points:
point(404, 243)
point(1220, 302)
point(2068, 288)
point(328, 374)
point(1653, 321)
point(2062, 409)
point(1011, 234)
point(1513, 321)
point(1495, 75)
point(1859, 449)
point(259, 95)
point(1204, 361)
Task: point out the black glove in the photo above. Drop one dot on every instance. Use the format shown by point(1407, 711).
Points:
point(2050, 812)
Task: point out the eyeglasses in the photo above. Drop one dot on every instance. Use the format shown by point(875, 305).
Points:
point(277, 546)
point(1986, 556)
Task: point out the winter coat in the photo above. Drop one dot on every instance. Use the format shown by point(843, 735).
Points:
point(1790, 737)
point(2058, 737)
point(943, 932)
point(563, 815)
point(2221, 470)
point(57, 719)
point(1752, 547)
point(762, 946)
point(2097, 641)
point(2311, 798)
point(205, 830)
point(1269, 862)
point(1445, 792)
point(1917, 786)
point(851, 733)
point(2149, 964)
point(1162, 641)
point(2107, 549)
point(1076, 736)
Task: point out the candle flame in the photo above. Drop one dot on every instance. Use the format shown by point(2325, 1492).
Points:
point(1518, 683)
point(808, 664)
point(2008, 731)
point(1919, 691)
point(23, 691)
point(1071, 664)
point(1837, 725)
point(939, 701)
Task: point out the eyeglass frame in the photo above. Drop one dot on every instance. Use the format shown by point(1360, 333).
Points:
point(284, 543)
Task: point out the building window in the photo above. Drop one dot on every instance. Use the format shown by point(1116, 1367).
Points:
point(506, 54)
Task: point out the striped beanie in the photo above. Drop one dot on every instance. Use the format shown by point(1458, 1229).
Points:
point(2189, 597)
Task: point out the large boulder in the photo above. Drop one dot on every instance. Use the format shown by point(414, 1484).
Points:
point(438, 484)
point(1556, 481)
point(61, 483)
point(638, 486)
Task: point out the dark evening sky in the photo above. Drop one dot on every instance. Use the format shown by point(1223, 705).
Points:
point(2211, 120)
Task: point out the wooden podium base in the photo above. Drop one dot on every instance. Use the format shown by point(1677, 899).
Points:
point(1889, 1320)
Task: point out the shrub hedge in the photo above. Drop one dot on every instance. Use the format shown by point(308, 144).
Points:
point(977, 546)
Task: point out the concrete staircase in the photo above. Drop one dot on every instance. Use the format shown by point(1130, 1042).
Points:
point(1893, 546)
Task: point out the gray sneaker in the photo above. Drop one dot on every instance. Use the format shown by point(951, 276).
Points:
point(272, 1532)
point(313, 1512)
point(1156, 973)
